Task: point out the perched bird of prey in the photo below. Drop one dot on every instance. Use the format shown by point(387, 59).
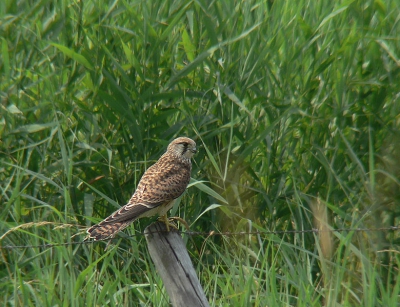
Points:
point(160, 185)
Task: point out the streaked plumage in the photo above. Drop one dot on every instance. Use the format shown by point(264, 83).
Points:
point(160, 185)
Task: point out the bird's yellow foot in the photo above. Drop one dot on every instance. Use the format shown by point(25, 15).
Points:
point(183, 222)
point(167, 222)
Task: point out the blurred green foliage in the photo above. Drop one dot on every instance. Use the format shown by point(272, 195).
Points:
point(292, 104)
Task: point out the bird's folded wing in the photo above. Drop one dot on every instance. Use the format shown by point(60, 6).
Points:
point(130, 212)
point(161, 184)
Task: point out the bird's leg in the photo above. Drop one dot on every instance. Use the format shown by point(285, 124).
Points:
point(167, 223)
point(177, 218)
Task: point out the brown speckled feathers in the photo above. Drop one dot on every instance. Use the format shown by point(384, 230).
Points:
point(160, 185)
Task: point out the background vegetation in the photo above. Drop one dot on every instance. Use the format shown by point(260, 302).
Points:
point(295, 106)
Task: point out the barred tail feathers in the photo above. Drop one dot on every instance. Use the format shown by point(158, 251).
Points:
point(104, 231)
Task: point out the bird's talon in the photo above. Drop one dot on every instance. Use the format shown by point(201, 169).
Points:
point(181, 220)
point(169, 222)
point(172, 225)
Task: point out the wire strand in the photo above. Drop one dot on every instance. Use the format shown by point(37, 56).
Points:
point(212, 233)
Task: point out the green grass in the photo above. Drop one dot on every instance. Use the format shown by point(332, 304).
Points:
point(295, 106)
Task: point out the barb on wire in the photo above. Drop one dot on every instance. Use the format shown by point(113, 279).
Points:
point(210, 234)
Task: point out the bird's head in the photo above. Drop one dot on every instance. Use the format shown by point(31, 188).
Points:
point(182, 147)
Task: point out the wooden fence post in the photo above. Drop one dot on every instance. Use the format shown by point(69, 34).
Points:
point(172, 261)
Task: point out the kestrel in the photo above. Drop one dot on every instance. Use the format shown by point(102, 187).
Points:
point(160, 185)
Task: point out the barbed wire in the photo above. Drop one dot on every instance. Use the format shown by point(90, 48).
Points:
point(211, 234)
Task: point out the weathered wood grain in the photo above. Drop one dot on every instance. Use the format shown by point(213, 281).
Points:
point(173, 263)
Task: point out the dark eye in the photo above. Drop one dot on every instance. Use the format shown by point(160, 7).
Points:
point(185, 146)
